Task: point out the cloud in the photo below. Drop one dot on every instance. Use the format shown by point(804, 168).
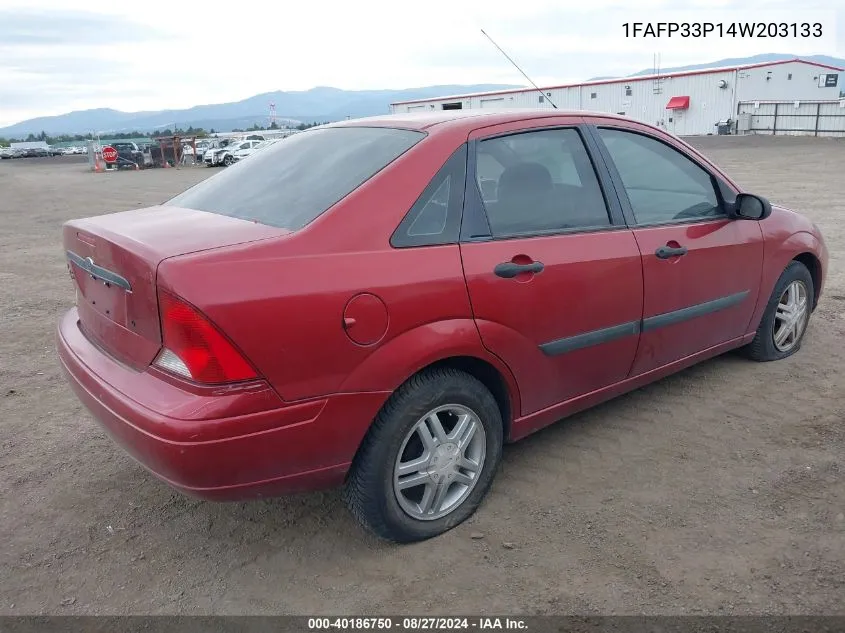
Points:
point(62, 96)
point(88, 70)
point(54, 59)
point(30, 27)
point(61, 55)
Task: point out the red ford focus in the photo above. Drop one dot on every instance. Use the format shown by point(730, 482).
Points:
point(382, 303)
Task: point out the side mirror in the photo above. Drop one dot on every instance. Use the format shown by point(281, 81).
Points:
point(750, 207)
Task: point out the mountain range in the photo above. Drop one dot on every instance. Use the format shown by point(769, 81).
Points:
point(316, 104)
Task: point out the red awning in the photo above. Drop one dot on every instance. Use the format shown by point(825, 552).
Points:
point(678, 103)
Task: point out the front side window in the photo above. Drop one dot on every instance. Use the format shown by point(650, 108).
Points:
point(291, 183)
point(662, 184)
point(539, 182)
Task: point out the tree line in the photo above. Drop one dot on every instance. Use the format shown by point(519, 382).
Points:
point(189, 131)
point(275, 126)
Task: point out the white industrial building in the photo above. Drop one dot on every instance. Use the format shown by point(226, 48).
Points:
point(24, 145)
point(793, 96)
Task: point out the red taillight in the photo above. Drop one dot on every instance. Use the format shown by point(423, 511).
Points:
point(194, 348)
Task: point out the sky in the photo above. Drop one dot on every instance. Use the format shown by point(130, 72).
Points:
point(57, 56)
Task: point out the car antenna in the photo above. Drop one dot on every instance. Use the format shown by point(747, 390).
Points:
point(546, 96)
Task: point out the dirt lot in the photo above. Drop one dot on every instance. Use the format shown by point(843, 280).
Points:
point(719, 490)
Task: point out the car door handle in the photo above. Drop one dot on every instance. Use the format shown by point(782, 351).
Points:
point(508, 270)
point(665, 252)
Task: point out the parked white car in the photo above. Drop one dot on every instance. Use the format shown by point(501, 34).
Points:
point(242, 152)
point(217, 154)
point(236, 151)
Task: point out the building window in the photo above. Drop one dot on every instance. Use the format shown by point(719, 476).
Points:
point(789, 76)
point(542, 98)
point(627, 91)
point(593, 95)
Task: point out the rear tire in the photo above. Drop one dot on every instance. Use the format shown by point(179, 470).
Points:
point(442, 429)
point(787, 316)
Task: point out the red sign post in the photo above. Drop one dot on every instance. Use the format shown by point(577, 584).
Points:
point(109, 154)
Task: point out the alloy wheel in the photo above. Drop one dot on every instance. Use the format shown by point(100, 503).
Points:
point(439, 462)
point(791, 316)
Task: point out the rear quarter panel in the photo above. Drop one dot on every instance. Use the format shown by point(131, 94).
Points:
point(286, 313)
point(282, 301)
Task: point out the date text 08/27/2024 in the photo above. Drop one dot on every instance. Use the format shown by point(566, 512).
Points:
point(414, 623)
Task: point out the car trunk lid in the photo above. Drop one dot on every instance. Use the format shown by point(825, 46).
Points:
point(113, 260)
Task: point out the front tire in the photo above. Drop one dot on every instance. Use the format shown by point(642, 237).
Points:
point(429, 458)
point(787, 315)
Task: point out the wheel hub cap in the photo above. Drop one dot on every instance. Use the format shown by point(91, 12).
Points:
point(439, 462)
point(790, 316)
point(444, 462)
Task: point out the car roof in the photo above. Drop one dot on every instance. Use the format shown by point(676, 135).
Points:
point(466, 119)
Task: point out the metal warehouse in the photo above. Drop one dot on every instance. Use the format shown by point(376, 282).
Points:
point(713, 100)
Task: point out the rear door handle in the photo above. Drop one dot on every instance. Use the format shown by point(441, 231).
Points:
point(509, 270)
point(665, 252)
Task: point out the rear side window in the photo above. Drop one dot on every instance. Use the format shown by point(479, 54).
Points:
point(435, 217)
point(537, 182)
point(292, 182)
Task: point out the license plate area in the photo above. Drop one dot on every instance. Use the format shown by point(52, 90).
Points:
point(101, 296)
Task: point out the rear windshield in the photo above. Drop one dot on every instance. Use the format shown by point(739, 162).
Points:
point(290, 183)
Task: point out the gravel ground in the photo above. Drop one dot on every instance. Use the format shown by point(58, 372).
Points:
point(718, 490)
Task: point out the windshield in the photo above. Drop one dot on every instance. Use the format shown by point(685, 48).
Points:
point(292, 182)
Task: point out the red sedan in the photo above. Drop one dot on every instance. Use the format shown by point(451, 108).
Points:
point(382, 303)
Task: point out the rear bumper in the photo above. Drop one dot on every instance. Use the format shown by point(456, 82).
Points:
point(220, 445)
